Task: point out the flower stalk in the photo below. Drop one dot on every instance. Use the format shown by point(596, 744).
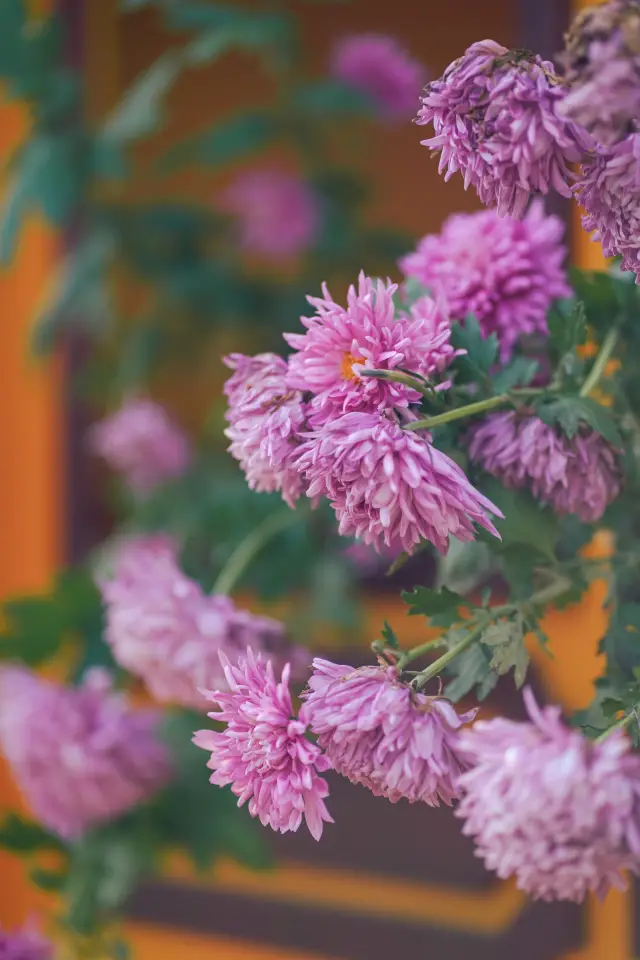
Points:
point(242, 557)
point(604, 355)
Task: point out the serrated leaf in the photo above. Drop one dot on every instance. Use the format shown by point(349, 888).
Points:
point(481, 352)
point(519, 373)
point(424, 601)
point(389, 637)
point(567, 327)
point(571, 412)
point(506, 640)
point(525, 520)
point(471, 670)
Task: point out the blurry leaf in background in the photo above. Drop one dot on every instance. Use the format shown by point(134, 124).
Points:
point(471, 669)
point(332, 98)
point(465, 565)
point(24, 837)
point(525, 520)
point(569, 413)
point(140, 111)
point(229, 140)
point(481, 351)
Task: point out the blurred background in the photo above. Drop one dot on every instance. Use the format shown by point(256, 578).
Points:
point(125, 133)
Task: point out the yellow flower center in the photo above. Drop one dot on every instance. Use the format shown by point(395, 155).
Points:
point(346, 367)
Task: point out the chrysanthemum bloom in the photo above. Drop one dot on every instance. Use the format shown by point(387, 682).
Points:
point(263, 752)
point(25, 944)
point(389, 486)
point(277, 214)
point(505, 272)
point(81, 755)
point(609, 193)
point(546, 805)
point(376, 731)
point(496, 120)
point(141, 442)
point(601, 61)
point(581, 475)
point(366, 335)
point(164, 629)
point(265, 418)
point(378, 66)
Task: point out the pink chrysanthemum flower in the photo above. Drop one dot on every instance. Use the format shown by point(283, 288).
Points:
point(376, 731)
point(164, 629)
point(81, 755)
point(141, 442)
point(601, 60)
point(496, 118)
point(265, 418)
point(25, 944)
point(609, 193)
point(277, 214)
point(581, 475)
point(378, 66)
point(505, 272)
point(263, 752)
point(389, 486)
point(547, 806)
point(366, 335)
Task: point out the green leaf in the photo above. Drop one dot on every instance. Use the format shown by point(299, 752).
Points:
point(622, 641)
point(50, 880)
point(424, 601)
point(25, 838)
point(505, 638)
point(525, 520)
point(227, 142)
point(465, 565)
point(571, 412)
point(481, 351)
point(33, 632)
point(471, 669)
point(259, 32)
point(519, 373)
point(567, 327)
point(13, 15)
point(139, 113)
point(331, 97)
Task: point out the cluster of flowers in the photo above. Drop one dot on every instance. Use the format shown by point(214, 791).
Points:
point(558, 812)
point(514, 128)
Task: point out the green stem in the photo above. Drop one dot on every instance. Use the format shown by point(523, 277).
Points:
point(396, 376)
point(467, 411)
point(621, 724)
point(439, 665)
point(604, 355)
point(245, 552)
point(416, 652)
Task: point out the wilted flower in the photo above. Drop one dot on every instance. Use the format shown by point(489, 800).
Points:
point(263, 752)
point(601, 61)
point(25, 944)
point(141, 442)
point(496, 118)
point(581, 475)
point(389, 486)
point(376, 731)
point(380, 67)
point(547, 806)
point(265, 418)
point(81, 755)
point(164, 629)
point(609, 192)
point(277, 213)
point(505, 272)
point(366, 335)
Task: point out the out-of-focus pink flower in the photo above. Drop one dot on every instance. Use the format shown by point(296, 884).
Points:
point(547, 806)
point(581, 475)
point(81, 755)
point(366, 335)
point(376, 731)
point(601, 60)
point(164, 629)
point(378, 66)
point(265, 418)
point(496, 118)
point(389, 486)
point(609, 192)
point(277, 214)
point(505, 272)
point(25, 944)
point(263, 752)
point(142, 443)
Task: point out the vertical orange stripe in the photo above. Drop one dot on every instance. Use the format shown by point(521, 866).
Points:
point(31, 477)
